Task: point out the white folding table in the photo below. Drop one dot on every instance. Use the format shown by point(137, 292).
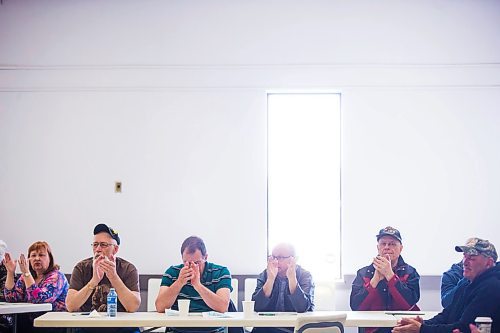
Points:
point(16, 308)
point(231, 319)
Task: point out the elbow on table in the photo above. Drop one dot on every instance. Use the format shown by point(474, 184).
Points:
point(222, 308)
point(70, 307)
point(161, 306)
point(133, 306)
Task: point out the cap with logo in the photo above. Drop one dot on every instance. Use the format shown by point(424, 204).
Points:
point(104, 228)
point(477, 246)
point(390, 231)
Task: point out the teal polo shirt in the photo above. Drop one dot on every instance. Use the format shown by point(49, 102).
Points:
point(214, 277)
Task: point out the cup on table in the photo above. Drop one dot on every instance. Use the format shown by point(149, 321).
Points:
point(183, 307)
point(248, 307)
point(483, 324)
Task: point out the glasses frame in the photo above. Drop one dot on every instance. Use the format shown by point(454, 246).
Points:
point(103, 245)
point(279, 258)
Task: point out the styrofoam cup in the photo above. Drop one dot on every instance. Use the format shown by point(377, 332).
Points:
point(183, 307)
point(248, 308)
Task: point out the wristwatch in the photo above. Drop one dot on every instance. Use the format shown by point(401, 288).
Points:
point(27, 274)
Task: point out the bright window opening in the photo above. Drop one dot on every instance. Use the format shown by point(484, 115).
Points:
point(304, 178)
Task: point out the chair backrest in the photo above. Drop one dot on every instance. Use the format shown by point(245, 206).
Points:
point(310, 323)
point(250, 285)
point(153, 290)
point(324, 296)
point(234, 293)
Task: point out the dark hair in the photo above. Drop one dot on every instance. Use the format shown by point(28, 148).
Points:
point(193, 243)
point(41, 245)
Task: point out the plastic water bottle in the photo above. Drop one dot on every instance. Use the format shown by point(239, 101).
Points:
point(112, 302)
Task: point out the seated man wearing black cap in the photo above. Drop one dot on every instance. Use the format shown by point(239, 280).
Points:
point(480, 298)
point(93, 277)
point(389, 283)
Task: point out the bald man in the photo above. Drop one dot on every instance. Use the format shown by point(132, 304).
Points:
point(283, 287)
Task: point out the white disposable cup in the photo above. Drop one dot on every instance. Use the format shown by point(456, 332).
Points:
point(483, 324)
point(183, 307)
point(248, 308)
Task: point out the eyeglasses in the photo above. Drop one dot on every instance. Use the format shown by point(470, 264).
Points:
point(279, 257)
point(101, 244)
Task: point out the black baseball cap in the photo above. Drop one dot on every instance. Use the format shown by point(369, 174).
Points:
point(104, 228)
point(390, 231)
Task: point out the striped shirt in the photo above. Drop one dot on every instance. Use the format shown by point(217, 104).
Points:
point(214, 277)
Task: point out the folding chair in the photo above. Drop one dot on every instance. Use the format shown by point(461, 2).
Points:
point(320, 324)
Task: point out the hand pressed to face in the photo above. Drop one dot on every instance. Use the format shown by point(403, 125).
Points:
point(108, 266)
point(383, 266)
point(194, 264)
point(105, 249)
point(290, 272)
point(272, 268)
point(284, 254)
point(196, 277)
point(97, 272)
point(185, 274)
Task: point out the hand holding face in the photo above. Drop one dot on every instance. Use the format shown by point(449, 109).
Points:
point(290, 272)
point(383, 266)
point(185, 274)
point(10, 264)
point(196, 277)
point(24, 265)
point(97, 272)
point(272, 268)
point(108, 266)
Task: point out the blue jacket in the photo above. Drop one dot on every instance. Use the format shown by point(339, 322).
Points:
point(452, 280)
point(481, 298)
point(300, 301)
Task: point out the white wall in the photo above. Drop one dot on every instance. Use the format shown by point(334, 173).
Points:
point(169, 98)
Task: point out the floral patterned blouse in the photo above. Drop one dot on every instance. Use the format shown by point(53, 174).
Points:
point(52, 289)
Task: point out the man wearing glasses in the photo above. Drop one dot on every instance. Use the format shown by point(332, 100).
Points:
point(205, 284)
point(93, 277)
point(283, 287)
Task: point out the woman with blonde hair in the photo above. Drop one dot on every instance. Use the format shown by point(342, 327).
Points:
point(40, 281)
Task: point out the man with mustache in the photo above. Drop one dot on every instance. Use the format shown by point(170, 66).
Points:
point(389, 283)
point(93, 277)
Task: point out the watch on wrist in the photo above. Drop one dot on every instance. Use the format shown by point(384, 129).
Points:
point(27, 274)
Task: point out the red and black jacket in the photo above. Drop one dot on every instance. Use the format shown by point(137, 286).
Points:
point(402, 292)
